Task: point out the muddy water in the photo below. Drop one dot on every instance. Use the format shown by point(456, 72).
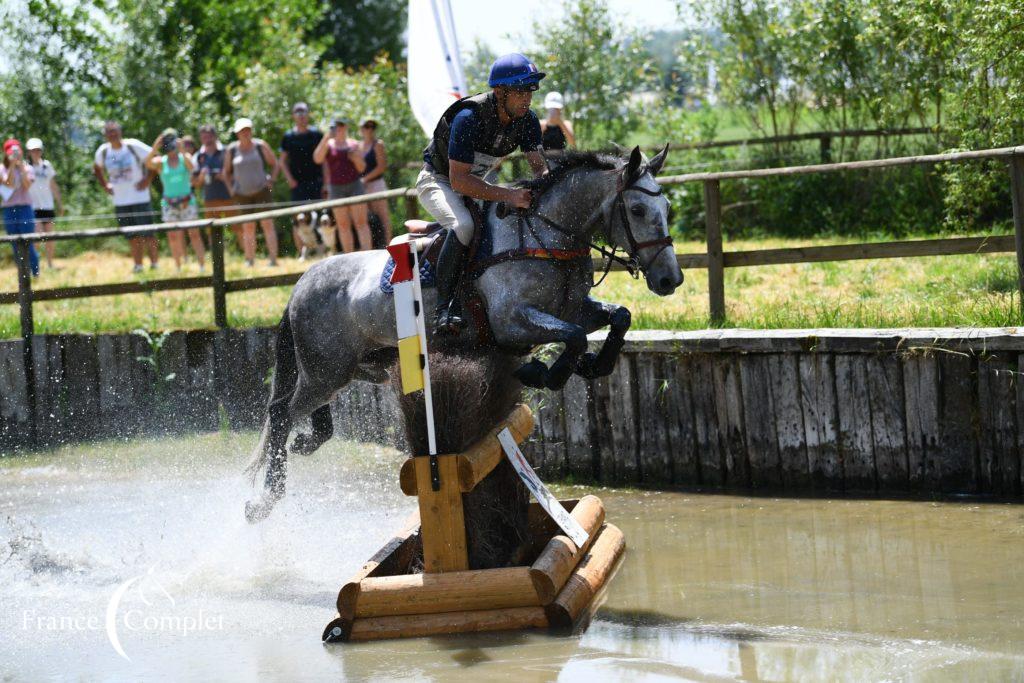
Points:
point(133, 561)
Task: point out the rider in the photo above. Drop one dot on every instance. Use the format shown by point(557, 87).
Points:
point(472, 137)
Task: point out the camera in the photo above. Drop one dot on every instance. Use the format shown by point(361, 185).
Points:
point(169, 143)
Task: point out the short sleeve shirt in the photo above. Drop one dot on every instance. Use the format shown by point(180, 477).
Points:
point(124, 170)
point(300, 147)
point(21, 194)
point(42, 195)
point(466, 144)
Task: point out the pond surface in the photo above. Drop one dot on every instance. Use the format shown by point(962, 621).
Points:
point(133, 561)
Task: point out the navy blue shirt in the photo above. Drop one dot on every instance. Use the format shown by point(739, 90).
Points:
point(470, 131)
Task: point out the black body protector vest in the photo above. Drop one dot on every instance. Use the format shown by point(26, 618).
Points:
point(491, 142)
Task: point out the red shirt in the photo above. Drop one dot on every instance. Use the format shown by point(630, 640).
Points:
point(340, 169)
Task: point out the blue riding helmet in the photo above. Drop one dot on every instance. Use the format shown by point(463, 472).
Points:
point(515, 71)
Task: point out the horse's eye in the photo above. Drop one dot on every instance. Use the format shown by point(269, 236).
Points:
point(638, 210)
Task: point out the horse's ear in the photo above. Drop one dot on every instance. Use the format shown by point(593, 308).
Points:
point(632, 171)
point(655, 164)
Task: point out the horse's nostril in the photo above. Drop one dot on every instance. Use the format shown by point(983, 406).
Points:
point(665, 283)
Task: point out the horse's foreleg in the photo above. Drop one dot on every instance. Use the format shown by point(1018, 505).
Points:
point(532, 326)
point(598, 314)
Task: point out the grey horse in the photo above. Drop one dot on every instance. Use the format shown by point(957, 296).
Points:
point(340, 326)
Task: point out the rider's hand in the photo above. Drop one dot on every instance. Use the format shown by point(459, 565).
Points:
point(520, 198)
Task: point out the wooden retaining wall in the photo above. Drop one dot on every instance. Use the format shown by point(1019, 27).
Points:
point(861, 411)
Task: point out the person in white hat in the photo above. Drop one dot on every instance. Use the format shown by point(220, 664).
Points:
point(249, 170)
point(46, 199)
point(556, 131)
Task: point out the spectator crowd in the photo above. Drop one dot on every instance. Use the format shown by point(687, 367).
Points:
point(214, 180)
point(211, 180)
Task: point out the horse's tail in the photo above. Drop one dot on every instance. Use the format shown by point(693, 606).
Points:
point(286, 375)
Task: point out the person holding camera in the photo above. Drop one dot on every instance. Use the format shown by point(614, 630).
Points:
point(555, 130)
point(245, 173)
point(345, 163)
point(167, 158)
point(47, 202)
point(15, 180)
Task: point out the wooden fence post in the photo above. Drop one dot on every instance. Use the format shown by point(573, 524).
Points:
point(1017, 193)
point(412, 207)
point(220, 300)
point(22, 249)
point(716, 261)
point(825, 142)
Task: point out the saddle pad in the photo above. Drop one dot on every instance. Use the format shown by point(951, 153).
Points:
point(426, 275)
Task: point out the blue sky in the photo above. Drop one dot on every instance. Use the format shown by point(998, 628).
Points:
point(492, 22)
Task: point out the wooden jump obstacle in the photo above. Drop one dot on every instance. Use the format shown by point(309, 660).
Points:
point(553, 587)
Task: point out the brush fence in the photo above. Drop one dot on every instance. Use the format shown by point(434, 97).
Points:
point(872, 411)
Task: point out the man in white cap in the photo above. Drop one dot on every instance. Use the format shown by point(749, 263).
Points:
point(118, 168)
point(556, 132)
point(46, 198)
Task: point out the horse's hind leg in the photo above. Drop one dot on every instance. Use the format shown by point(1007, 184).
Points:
point(323, 430)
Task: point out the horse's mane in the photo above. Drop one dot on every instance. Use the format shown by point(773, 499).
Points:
point(566, 162)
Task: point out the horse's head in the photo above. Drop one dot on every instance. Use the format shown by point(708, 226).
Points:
point(639, 222)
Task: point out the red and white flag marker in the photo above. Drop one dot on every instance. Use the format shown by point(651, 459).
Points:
point(412, 335)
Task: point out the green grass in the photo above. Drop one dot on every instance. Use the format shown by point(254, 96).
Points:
point(940, 291)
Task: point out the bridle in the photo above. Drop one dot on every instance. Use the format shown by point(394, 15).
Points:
point(632, 264)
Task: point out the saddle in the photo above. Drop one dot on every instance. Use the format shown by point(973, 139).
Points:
point(479, 259)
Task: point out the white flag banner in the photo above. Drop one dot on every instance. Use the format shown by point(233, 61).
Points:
point(547, 500)
point(435, 68)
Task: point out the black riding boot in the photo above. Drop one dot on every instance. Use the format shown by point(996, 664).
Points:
point(448, 315)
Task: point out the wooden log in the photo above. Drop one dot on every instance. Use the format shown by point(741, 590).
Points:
point(681, 432)
point(25, 298)
point(462, 591)
point(588, 578)
point(441, 516)
point(784, 383)
point(729, 408)
point(761, 438)
point(551, 425)
point(999, 458)
point(560, 556)
point(710, 458)
point(856, 444)
point(477, 461)
point(393, 557)
point(921, 405)
point(576, 406)
point(655, 417)
point(817, 402)
point(957, 460)
point(888, 424)
point(420, 625)
point(81, 386)
point(15, 409)
point(601, 431)
point(622, 415)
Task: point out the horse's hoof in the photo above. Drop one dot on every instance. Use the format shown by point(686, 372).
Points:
point(586, 367)
point(260, 510)
point(256, 512)
point(532, 374)
point(305, 444)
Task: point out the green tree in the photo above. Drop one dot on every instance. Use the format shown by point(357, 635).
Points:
point(601, 67)
point(356, 32)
